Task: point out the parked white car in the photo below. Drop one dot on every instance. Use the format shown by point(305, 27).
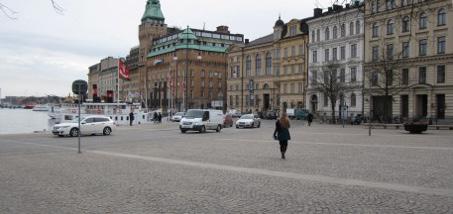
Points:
point(201, 120)
point(177, 117)
point(89, 125)
point(248, 121)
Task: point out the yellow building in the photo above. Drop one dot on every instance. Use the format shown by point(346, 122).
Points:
point(269, 73)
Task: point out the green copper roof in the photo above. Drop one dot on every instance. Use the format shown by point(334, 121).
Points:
point(188, 46)
point(153, 11)
point(187, 34)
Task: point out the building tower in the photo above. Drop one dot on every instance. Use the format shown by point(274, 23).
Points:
point(152, 26)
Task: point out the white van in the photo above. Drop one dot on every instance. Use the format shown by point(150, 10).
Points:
point(201, 120)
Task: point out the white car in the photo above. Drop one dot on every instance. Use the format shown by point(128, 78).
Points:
point(177, 117)
point(201, 120)
point(248, 121)
point(90, 125)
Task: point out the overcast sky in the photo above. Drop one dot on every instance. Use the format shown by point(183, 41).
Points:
point(42, 52)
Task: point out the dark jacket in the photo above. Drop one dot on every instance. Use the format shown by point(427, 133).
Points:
point(281, 133)
point(310, 117)
point(131, 116)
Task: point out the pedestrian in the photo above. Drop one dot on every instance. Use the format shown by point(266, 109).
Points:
point(282, 134)
point(155, 117)
point(131, 118)
point(159, 117)
point(309, 118)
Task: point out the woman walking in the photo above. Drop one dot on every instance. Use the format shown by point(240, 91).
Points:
point(281, 133)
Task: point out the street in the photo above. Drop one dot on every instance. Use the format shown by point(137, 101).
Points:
point(156, 169)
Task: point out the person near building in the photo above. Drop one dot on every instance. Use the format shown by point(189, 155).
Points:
point(282, 134)
point(131, 118)
point(309, 118)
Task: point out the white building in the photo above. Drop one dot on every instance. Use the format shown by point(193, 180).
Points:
point(336, 37)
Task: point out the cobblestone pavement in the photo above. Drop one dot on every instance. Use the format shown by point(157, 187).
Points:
point(156, 169)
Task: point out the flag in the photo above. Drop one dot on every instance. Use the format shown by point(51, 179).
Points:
point(122, 69)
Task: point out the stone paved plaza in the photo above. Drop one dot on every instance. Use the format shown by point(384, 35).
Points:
point(156, 169)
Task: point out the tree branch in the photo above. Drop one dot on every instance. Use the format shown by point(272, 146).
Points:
point(8, 12)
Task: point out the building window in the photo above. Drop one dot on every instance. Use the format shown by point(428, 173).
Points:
point(314, 77)
point(422, 75)
point(292, 88)
point(423, 21)
point(405, 76)
point(353, 100)
point(405, 24)
point(318, 35)
point(354, 51)
point(301, 50)
point(390, 4)
point(374, 78)
point(358, 29)
point(313, 36)
point(390, 25)
point(353, 74)
point(334, 54)
point(441, 74)
point(375, 6)
point(248, 66)
point(268, 64)
point(441, 45)
point(343, 30)
point(285, 52)
point(293, 51)
point(406, 49)
point(390, 51)
point(375, 30)
point(422, 50)
point(326, 55)
point(343, 53)
point(441, 17)
point(327, 34)
point(375, 53)
point(342, 75)
point(315, 56)
point(258, 65)
point(237, 100)
point(292, 30)
point(277, 53)
point(335, 32)
point(326, 100)
point(300, 88)
point(351, 28)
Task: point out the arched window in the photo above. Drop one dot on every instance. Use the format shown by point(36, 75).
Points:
point(265, 86)
point(358, 29)
point(268, 64)
point(343, 30)
point(335, 32)
point(375, 29)
point(248, 66)
point(423, 21)
point(441, 17)
point(405, 25)
point(258, 65)
point(327, 33)
point(390, 25)
point(351, 28)
point(353, 100)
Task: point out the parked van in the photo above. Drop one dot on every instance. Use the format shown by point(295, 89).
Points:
point(201, 120)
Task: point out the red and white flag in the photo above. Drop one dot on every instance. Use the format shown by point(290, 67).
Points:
point(122, 69)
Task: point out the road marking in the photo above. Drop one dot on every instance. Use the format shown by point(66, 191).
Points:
point(265, 172)
point(346, 144)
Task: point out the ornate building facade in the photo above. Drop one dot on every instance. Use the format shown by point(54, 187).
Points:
point(409, 59)
point(269, 73)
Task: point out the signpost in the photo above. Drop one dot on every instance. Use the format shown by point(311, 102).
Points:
point(80, 88)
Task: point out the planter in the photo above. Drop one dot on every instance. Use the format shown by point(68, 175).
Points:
point(416, 128)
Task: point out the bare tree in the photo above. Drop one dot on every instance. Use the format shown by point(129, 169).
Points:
point(12, 14)
point(331, 84)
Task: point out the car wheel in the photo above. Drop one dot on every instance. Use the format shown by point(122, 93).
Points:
point(74, 132)
point(60, 135)
point(107, 131)
point(203, 129)
point(219, 128)
point(237, 127)
point(183, 131)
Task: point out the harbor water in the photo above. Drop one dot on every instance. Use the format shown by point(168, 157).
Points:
point(20, 121)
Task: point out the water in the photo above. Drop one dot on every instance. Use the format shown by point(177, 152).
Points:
point(19, 121)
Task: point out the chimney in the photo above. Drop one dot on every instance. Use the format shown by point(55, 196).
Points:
point(329, 9)
point(223, 29)
point(337, 7)
point(317, 12)
point(348, 6)
point(247, 41)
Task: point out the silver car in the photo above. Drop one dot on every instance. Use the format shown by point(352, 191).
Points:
point(248, 121)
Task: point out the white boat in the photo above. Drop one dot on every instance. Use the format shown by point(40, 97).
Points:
point(41, 108)
point(117, 112)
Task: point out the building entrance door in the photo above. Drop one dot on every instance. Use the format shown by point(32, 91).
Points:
point(404, 106)
point(267, 101)
point(422, 106)
point(440, 101)
point(314, 103)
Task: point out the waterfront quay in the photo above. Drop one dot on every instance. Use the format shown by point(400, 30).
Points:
point(156, 169)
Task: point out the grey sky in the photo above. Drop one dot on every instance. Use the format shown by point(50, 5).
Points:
point(42, 52)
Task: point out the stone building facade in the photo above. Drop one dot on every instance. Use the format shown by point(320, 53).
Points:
point(336, 42)
point(409, 59)
point(103, 80)
point(269, 73)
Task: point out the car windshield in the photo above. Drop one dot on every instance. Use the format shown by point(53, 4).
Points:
point(179, 114)
point(247, 117)
point(194, 114)
point(76, 119)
